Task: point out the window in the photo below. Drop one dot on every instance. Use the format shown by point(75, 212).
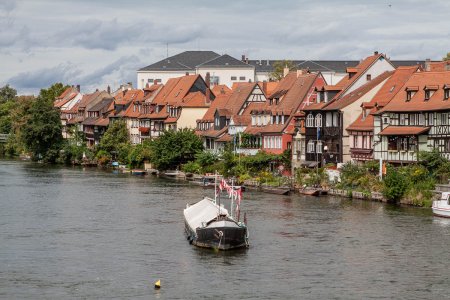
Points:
point(319, 120)
point(319, 147)
point(369, 77)
point(446, 94)
point(427, 95)
point(233, 78)
point(335, 119)
point(253, 120)
point(242, 78)
point(430, 118)
point(310, 148)
point(444, 119)
point(150, 80)
point(409, 95)
point(214, 80)
point(422, 119)
point(158, 80)
point(310, 121)
point(403, 119)
point(385, 120)
point(392, 143)
point(328, 119)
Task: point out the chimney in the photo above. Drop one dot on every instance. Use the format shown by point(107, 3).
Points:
point(285, 71)
point(299, 72)
point(243, 58)
point(130, 85)
point(268, 62)
point(208, 84)
point(265, 87)
point(78, 88)
point(187, 74)
point(427, 64)
point(375, 53)
point(246, 60)
point(108, 89)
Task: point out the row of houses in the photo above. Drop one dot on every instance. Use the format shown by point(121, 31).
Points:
point(377, 110)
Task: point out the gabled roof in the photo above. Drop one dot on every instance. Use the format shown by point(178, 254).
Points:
point(418, 103)
point(184, 61)
point(224, 61)
point(102, 105)
point(218, 103)
point(345, 83)
point(195, 99)
point(358, 93)
point(239, 96)
point(175, 90)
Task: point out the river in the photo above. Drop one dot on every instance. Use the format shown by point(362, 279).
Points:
point(70, 233)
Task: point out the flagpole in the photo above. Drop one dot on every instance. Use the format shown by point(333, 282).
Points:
point(232, 197)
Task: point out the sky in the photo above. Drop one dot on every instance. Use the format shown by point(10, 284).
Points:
point(96, 43)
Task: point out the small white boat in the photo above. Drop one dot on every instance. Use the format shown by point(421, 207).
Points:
point(441, 207)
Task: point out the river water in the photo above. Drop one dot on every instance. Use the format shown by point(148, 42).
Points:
point(84, 233)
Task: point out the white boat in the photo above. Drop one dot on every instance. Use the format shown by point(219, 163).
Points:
point(441, 207)
point(208, 224)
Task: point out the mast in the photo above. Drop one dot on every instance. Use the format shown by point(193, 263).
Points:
point(232, 197)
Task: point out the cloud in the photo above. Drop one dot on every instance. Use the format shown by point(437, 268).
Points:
point(35, 80)
point(110, 34)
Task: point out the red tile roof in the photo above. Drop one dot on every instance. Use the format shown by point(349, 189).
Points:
point(220, 90)
point(384, 95)
point(404, 130)
point(218, 103)
point(196, 99)
point(355, 95)
point(345, 83)
point(418, 102)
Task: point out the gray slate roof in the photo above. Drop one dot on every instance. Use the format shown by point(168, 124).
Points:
point(325, 65)
point(184, 61)
point(225, 61)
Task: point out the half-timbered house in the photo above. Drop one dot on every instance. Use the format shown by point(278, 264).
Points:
point(416, 119)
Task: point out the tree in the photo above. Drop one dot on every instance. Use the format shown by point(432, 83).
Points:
point(7, 94)
point(278, 69)
point(42, 134)
point(116, 141)
point(139, 154)
point(175, 148)
point(447, 57)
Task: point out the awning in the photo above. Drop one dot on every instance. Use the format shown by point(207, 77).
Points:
point(404, 130)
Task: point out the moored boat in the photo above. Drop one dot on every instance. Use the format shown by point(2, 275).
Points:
point(276, 190)
point(441, 207)
point(210, 225)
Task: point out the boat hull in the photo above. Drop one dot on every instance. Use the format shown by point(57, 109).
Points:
point(277, 191)
point(222, 238)
point(445, 213)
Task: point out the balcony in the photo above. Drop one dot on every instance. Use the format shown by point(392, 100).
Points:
point(361, 153)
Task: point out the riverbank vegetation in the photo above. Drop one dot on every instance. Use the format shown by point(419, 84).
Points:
point(35, 130)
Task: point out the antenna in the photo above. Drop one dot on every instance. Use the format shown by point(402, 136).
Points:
point(167, 50)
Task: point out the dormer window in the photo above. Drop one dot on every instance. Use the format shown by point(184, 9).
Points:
point(446, 91)
point(410, 92)
point(429, 91)
point(369, 77)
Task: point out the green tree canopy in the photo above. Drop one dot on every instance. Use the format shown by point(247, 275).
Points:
point(7, 104)
point(7, 93)
point(175, 148)
point(42, 133)
point(116, 140)
point(278, 69)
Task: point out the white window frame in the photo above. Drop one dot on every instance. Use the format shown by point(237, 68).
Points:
point(310, 120)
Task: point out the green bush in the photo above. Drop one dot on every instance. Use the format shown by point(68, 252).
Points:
point(395, 185)
point(191, 167)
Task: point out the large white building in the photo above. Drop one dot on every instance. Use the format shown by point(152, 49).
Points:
point(227, 70)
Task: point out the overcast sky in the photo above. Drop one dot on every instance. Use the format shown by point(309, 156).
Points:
point(96, 43)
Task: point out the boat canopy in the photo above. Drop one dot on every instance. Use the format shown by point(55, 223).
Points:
point(202, 212)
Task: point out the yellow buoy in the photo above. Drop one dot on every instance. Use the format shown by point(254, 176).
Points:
point(158, 284)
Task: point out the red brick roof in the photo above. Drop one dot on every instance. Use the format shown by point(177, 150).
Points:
point(404, 130)
point(218, 103)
